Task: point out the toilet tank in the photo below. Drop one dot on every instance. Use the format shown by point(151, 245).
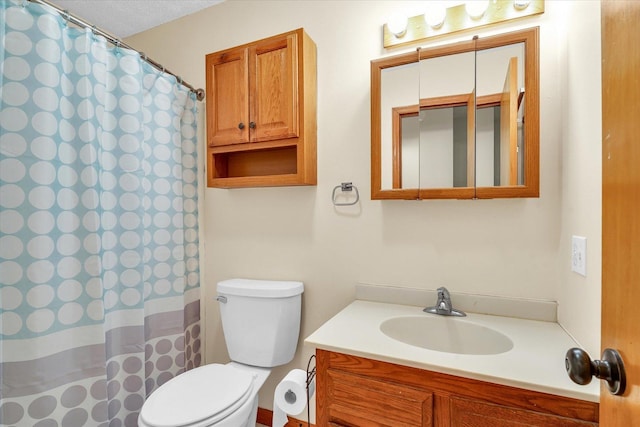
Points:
point(260, 320)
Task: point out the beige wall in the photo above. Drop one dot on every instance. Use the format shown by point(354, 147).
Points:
point(581, 195)
point(517, 248)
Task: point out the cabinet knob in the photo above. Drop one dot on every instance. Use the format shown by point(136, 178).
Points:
point(241, 126)
point(581, 368)
point(252, 125)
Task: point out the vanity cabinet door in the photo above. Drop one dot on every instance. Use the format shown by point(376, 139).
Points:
point(356, 401)
point(471, 413)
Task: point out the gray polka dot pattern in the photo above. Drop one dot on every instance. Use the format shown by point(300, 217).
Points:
point(73, 396)
point(12, 412)
point(114, 399)
point(98, 225)
point(81, 403)
point(42, 407)
point(165, 358)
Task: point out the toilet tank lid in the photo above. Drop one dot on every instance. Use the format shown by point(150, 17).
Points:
point(260, 288)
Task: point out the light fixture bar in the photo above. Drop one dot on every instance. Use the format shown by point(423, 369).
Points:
point(457, 19)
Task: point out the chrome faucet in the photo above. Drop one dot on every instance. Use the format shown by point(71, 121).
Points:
point(443, 306)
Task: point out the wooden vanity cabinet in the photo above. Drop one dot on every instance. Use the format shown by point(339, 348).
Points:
point(361, 401)
point(355, 391)
point(261, 113)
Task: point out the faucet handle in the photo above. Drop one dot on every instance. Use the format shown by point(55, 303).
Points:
point(443, 293)
point(443, 305)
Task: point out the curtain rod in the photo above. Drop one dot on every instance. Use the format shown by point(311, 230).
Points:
point(117, 42)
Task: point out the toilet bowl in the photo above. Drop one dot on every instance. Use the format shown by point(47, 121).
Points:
point(211, 395)
point(261, 324)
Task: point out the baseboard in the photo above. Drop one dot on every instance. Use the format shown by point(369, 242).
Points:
point(265, 417)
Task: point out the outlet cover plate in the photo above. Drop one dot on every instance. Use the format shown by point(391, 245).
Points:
point(579, 255)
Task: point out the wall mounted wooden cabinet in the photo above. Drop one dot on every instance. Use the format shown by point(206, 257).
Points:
point(354, 391)
point(261, 113)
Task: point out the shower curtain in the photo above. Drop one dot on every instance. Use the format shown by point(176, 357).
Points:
point(99, 273)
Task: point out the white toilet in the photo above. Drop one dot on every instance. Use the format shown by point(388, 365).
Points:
point(261, 323)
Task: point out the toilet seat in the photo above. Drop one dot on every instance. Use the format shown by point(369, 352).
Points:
point(199, 397)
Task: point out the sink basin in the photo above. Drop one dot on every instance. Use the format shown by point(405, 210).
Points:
point(446, 334)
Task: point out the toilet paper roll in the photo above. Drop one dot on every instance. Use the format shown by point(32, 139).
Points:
point(290, 397)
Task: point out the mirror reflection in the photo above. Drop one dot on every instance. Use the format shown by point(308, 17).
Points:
point(447, 98)
point(449, 122)
point(399, 96)
point(499, 125)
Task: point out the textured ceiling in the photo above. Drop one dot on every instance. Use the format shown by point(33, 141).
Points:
point(123, 18)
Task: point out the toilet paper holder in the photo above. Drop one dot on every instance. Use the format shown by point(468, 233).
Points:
point(290, 396)
point(311, 374)
point(290, 393)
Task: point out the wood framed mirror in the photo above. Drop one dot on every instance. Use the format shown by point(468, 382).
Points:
point(457, 121)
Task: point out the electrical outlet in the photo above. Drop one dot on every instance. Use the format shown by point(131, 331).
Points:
point(579, 255)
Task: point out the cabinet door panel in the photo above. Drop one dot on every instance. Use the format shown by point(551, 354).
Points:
point(274, 85)
point(359, 401)
point(228, 98)
point(470, 413)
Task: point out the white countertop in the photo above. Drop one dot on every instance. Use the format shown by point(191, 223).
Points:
point(536, 361)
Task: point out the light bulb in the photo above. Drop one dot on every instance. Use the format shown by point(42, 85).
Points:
point(476, 8)
point(434, 14)
point(521, 4)
point(398, 24)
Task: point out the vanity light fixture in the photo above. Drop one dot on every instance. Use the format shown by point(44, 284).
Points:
point(438, 20)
